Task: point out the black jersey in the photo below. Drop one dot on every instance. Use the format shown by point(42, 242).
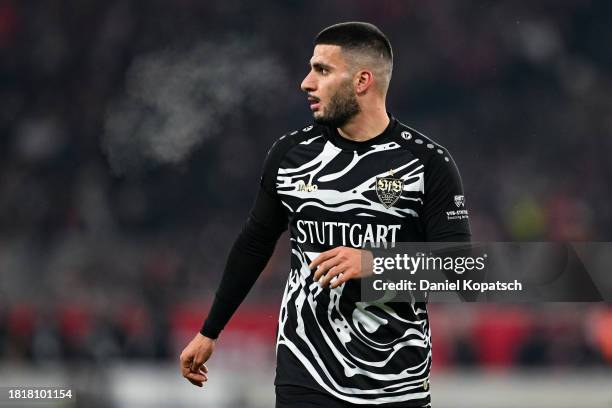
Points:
point(399, 186)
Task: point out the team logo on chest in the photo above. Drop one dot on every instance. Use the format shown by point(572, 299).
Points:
point(389, 189)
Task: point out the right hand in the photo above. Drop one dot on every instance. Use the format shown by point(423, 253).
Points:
point(193, 357)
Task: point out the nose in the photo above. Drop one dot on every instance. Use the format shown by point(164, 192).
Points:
point(308, 84)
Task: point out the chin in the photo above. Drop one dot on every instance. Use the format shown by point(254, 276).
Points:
point(320, 119)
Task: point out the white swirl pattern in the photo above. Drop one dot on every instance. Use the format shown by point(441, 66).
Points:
point(332, 345)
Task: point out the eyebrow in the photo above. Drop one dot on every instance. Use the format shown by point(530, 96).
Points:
point(319, 65)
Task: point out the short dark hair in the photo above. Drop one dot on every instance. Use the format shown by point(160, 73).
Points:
point(357, 35)
point(360, 39)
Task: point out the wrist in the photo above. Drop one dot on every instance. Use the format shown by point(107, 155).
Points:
point(206, 338)
point(210, 330)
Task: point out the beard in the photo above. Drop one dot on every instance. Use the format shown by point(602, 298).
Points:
point(342, 107)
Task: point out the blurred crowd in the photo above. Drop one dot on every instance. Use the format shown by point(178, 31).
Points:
point(132, 134)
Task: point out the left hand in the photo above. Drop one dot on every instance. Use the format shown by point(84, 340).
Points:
point(341, 262)
point(193, 357)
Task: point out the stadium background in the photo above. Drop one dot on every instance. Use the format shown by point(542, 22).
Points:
point(131, 138)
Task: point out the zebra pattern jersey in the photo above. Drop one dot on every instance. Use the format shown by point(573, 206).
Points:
point(396, 187)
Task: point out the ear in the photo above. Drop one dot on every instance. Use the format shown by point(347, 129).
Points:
point(363, 81)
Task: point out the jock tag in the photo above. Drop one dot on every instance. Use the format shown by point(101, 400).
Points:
point(389, 189)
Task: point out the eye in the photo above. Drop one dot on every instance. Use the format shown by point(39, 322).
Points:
point(320, 69)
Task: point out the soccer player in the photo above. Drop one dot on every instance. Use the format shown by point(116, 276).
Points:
point(356, 176)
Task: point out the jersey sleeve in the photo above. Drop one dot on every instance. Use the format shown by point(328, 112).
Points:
point(445, 216)
point(251, 250)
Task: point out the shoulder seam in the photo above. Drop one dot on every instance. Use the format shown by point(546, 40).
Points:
point(293, 138)
point(287, 142)
point(423, 143)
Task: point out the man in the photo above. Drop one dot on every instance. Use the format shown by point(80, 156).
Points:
point(355, 177)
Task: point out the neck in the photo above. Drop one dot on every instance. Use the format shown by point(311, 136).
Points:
point(366, 124)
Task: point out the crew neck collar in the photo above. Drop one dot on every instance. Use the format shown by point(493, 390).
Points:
point(346, 144)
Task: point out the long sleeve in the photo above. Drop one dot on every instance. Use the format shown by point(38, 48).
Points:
point(253, 246)
point(248, 257)
point(445, 217)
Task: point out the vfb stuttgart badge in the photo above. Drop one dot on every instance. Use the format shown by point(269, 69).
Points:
point(459, 201)
point(389, 189)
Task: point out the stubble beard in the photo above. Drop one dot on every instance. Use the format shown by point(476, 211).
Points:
point(342, 107)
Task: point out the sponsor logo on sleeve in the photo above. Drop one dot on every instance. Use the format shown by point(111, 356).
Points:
point(458, 214)
point(460, 201)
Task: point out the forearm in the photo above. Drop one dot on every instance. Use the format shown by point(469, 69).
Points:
point(248, 257)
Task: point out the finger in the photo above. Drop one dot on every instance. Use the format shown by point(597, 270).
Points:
point(184, 360)
point(324, 267)
point(204, 374)
point(196, 383)
point(196, 363)
point(185, 366)
point(343, 277)
point(335, 271)
point(323, 256)
point(324, 281)
point(201, 369)
point(185, 371)
point(196, 377)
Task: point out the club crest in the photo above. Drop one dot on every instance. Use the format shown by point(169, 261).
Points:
point(389, 189)
point(459, 201)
